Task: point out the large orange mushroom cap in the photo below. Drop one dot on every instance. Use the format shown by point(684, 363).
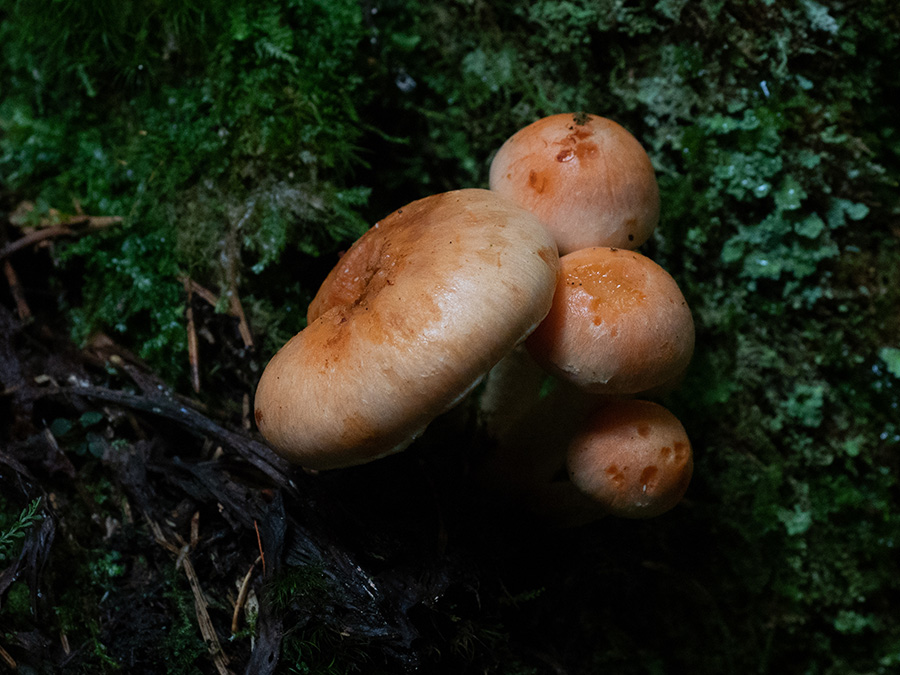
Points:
point(586, 177)
point(414, 314)
point(632, 457)
point(619, 324)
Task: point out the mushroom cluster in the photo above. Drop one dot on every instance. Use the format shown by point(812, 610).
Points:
point(537, 274)
point(619, 331)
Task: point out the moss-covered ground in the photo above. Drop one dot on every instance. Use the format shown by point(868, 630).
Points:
point(242, 145)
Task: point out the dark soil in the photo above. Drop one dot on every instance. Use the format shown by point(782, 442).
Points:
point(157, 507)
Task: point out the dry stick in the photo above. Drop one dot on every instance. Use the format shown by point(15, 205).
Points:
point(193, 347)
point(262, 556)
point(58, 230)
point(182, 559)
point(242, 596)
point(16, 289)
point(7, 659)
point(202, 291)
point(33, 238)
point(258, 454)
point(195, 530)
point(206, 626)
point(235, 308)
point(93, 222)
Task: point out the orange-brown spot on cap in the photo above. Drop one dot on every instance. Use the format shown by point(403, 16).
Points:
point(549, 256)
point(609, 288)
point(580, 133)
point(586, 151)
point(616, 476)
point(613, 328)
point(599, 174)
point(649, 478)
point(607, 442)
point(537, 181)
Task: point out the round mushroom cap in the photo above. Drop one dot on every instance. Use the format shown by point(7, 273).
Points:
point(619, 324)
point(414, 314)
point(633, 458)
point(586, 177)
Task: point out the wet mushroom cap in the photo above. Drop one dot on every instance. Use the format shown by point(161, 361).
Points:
point(586, 177)
point(414, 314)
point(619, 324)
point(632, 457)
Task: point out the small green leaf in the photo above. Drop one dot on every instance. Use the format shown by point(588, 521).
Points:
point(790, 196)
point(856, 211)
point(60, 426)
point(811, 226)
point(796, 521)
point(90, 418)
point(891, 357)
point(95, 445)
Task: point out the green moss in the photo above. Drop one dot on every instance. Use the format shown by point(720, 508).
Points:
point(183, 646)
point(235, 159)
point(216, 133)
point(298, 585)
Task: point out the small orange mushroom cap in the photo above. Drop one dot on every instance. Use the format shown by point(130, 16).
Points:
point(619, 324)
point(586, 177)
point(632, 457)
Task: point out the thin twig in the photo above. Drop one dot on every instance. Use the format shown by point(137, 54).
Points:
point(193, 347)
point(262, 556)
point(258, 454)
point(59, 229)
point(202, 291)
point(195, 530)
point(16, 289)
point(7, 659)
point(160, 538)
point(237, 309)
point(201, 607)
point(242, 596)
point(33, 238)
point(220, 659)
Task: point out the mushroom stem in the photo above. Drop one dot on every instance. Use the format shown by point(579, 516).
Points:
point(511, 389)
point(529, 446)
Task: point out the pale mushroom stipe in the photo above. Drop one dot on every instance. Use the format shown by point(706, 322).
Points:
point(586, 177)
point(410, 320)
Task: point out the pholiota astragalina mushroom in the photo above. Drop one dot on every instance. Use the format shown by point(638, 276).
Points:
point(449, 288)
point(415, 313)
